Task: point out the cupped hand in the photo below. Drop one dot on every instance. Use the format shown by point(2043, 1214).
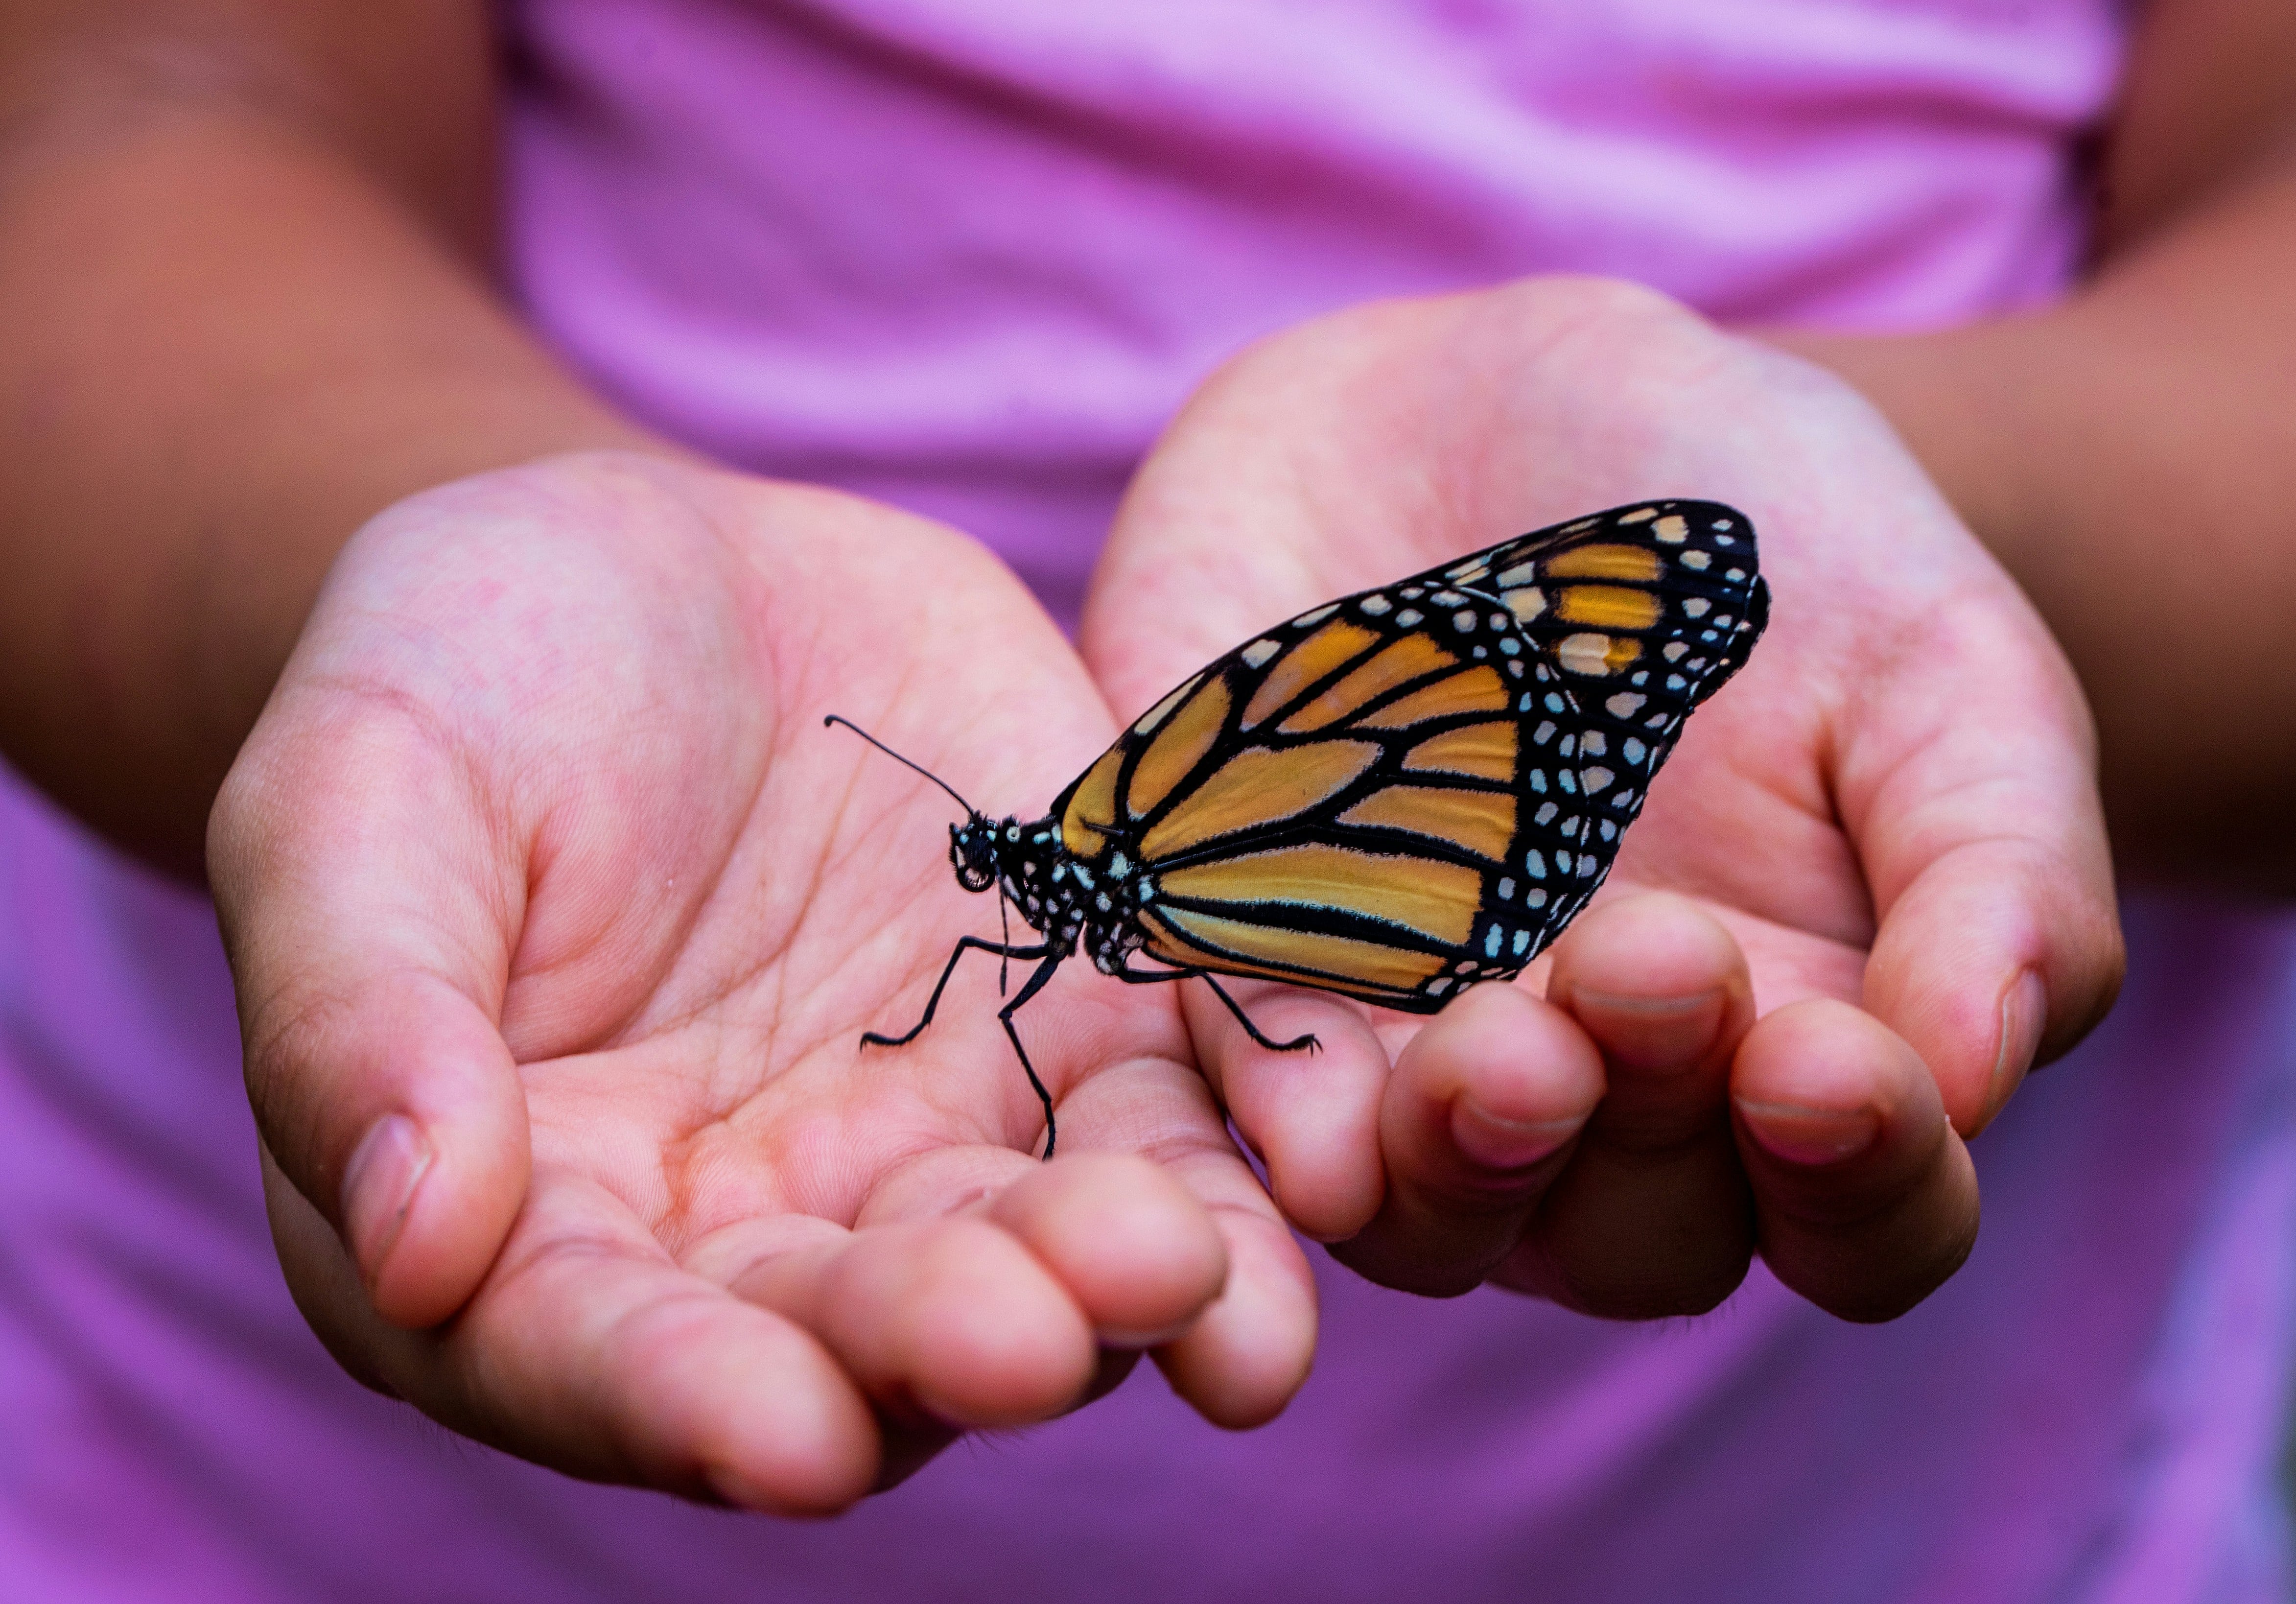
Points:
point(1885, 886)
point(557, 916)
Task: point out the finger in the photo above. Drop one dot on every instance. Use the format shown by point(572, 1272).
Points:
point(366, 957)
point(1478, 1120)
point(1238, 1359)
point(590, 1351)
point(977, 1289)
point(949, 1322)
point(1248, 1353)
point(1651, 1217)
point(1241, 1360)
point(1972, 797)
point(1311, 1115)
point(1128, 1239)
point(1140, 1257)
point(1865, 1194)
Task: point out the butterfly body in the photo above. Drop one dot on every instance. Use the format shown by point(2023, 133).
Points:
point(1394, 795)
point(1076, 906)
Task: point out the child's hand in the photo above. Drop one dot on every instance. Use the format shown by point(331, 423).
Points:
point(557, 917)
point(1889, 814)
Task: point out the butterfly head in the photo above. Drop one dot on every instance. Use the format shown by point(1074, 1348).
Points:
point(973, 853)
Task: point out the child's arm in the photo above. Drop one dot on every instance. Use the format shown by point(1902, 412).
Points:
point(243, 309)
point(556, 914)
point(2130, 454)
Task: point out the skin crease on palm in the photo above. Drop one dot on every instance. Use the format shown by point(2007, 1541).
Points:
point(1882, 836)
point(524, 770)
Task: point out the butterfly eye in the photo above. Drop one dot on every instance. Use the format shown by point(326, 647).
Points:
point(973, 853)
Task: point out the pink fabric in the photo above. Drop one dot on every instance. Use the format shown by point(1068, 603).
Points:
point(968, 257)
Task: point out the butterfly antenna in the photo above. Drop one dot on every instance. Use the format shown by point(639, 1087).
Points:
point(897, 757)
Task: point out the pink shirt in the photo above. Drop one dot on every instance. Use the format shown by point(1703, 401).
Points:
point(968, 257)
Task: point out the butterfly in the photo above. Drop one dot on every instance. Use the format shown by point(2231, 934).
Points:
point(1392, 796)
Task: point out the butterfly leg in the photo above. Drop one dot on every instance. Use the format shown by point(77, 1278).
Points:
point(1147, 977)
point(964, 945)
point(1036, 983)
point(1297, 1044)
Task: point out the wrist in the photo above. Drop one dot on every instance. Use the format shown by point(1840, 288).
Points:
point(1950, 397)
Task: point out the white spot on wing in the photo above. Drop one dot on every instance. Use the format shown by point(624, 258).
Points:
point(1260, 651)
point(1585, 653)
point(1623, 704)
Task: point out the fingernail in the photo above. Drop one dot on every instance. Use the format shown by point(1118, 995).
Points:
point(2024, 1010)
point(1498, 1144)
point(1810, 1136)
point(1668, 1037)
point(379, 1187)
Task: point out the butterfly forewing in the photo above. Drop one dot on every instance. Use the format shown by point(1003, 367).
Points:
point(1417, 786)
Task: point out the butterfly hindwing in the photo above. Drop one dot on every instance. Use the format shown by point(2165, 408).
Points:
point(1416, 787)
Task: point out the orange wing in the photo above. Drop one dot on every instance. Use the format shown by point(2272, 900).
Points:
point(1416, 787)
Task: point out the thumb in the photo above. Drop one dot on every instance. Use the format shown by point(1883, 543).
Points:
point(361, 905)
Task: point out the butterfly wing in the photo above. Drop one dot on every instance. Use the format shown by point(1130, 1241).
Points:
point(1416, 787)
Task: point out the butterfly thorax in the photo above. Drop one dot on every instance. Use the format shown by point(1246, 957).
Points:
point(1076, 906)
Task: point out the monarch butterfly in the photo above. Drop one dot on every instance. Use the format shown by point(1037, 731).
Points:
point(1394, 795)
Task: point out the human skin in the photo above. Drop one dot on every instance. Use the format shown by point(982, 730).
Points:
point(291, 268)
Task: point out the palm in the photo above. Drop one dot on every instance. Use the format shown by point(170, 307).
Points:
point(1906, 739)
point(599, 837)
